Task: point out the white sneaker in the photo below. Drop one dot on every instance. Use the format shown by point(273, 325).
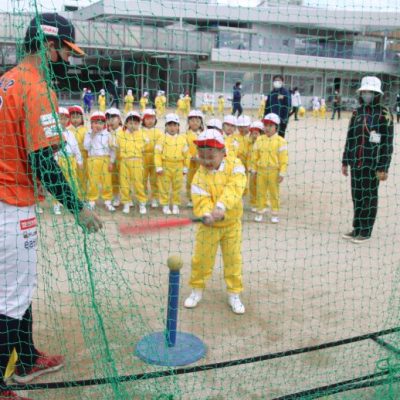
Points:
point(189, 204)
point(236, 304)
point(275, 220)
point(154, 203)
point(116, 202)
point(166, 210)
point(175, 209)
point(194, 298)
point(142, 209)
point(254, 209)
point(258, 218)
point(57, 209)
point(126, 208)
point(91, 205)
point(109, 206)
point(131, 204)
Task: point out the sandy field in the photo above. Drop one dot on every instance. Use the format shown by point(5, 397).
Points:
point(304, 285)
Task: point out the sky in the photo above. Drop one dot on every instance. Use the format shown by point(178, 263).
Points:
point(57, 5)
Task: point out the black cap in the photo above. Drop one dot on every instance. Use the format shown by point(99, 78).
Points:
point(55, 26)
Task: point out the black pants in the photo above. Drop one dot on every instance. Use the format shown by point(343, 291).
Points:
point(16, 333)
point(282, 129)
point(295, 111)
point(237, 107)
point(398, 117)
point(364, 192)
point(336, 109)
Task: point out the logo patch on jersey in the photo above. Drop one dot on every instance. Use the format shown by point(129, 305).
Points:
point(49, 123)
point(47, 119)
point(27, 223)
point(49, 30)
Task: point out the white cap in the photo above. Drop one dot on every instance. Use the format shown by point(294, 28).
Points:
point(215, 123)
point(371, 83)
point(196, 113)
point(272, 118)
point(181, 96)
point(63, 111)
point(98, 116)
point(257, 125)
point(171, 118)
point(132, 114)
point(102, 91)
point(145, 94)
point(243, 120)
point(210, 138)
point(230, 119)
point(149, 112)
point(129, 91)
point(114, 111)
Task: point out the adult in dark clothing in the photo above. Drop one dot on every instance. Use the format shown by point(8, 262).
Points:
point(237, 99)
point(337, 105)
point(88, 100)
point(279, 102)
point(368, 152)
point(398, 108)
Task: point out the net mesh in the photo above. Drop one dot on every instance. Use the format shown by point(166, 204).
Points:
point(321, 316)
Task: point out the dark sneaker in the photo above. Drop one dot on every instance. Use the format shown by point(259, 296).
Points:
point(349, 235)
point(44, 365)
point(9, 395)
point(360, 239)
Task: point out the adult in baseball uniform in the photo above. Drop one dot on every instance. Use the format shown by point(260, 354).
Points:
point(29, 134)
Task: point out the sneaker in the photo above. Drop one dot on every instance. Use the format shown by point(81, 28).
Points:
point(189, 204)
point(175, 209)
point(116, 202)
point(275, 220)
point(8, 394)
point(166, 210)
point(258, 218)
point(349, 235)
point(236, 304)
point(360, 239)
point(126, 208)
point(109, 206)
point(253, 209)
point(131, 204)
point(154, 203)
point(142, 209)
point(44, 365)
point(57, 209)
point(194, 298)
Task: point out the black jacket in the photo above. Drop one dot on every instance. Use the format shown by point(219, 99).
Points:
point(369, 140)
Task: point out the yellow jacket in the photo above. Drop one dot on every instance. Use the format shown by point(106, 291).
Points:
point(80, 133)
point(221, 103)
point(171, 149)
point(150, 137)
point(181, 105)
point(158, 102)
point(223, 187)
point(102, 100)
point(232, 146)
point(243, 148)
point(143, 102)
point(270, 153)
point(129, 144)
point(190, 138)
point(188, 101)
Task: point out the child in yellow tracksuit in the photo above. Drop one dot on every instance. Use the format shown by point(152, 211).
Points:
point(261, 108)
point(160, 102)
point(150, 134)
point(69, 157)
point(114, 125)
point(221, 104)
point(171, 158)
point(229, 130)
point(128, 100)
point(129, 149)
point(188, 103)
point(78, 128)
point(256, 130)
point(196, 126)
point(242, 137)
point(143, 102)
point(101, 158)
point(180, 106)
point(102, 100)
point(217, 191)
point(269, 163)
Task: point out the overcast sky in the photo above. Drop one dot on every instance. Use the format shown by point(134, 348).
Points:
point(57, 5)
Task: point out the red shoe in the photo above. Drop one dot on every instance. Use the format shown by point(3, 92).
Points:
point(44, 364)
point(8, 394)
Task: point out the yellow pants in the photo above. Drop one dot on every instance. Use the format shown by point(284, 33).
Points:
point(115, 178)
point(322, 112)
point(99, 175)
point(128, 107)
point(203, 260)
point(315, 113)
point(149, 173)
point(193, 167)
point(170, 183)
point(252, 179)
point(160, 111)
point(131, 175)
point(221, 109)
point(268, 189)
point(81, 174)
point(11, 364)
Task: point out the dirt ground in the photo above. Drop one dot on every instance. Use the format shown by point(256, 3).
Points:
point(304, 286)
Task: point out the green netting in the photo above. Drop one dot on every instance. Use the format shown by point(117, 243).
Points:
point(321, 310)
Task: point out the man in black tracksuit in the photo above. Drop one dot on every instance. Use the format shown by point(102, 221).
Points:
point(368, 152)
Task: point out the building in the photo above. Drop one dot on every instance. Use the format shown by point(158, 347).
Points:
point(201, 47)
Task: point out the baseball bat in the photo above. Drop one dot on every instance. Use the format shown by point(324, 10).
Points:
point(140, 227)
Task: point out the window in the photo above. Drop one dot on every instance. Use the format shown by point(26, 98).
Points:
point(205, 81)
point(305, 84)
point(231, 78)
point(267, 83)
